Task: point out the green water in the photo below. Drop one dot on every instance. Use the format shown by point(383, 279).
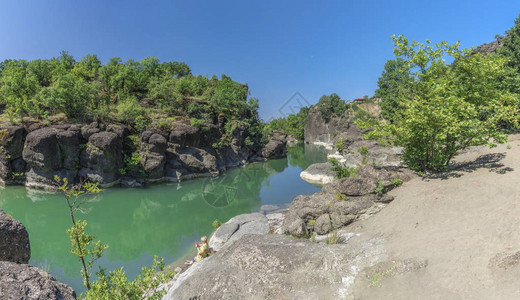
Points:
point(161, 220)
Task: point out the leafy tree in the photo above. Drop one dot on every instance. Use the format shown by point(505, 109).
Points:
point(452, 107)
point(330, 106)
point(394, 86)
point(114, 285)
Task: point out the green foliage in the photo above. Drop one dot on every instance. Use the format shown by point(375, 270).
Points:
point(380, 188)
point(130, 162)
point(216, 224)
point(452, 108)
point(330, 106)
point(135, 93)
point(363, 150)
point(341, 197)
point(116, 286)
point(397, 181)
point(342, 170)
point(292, 124)
point(82, 244)
point(17, 176)
point(340, 144)
point(394, 85)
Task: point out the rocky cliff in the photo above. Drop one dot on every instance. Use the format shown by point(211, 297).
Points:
point(111, 154)
point(319, 131)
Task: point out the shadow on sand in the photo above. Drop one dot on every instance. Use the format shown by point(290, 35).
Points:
point(491, 161)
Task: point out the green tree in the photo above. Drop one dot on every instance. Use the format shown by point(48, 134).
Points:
point(453, 106)
point(394, 85)
point(330, 106)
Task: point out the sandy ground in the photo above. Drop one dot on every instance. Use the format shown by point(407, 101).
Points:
point(462, 230)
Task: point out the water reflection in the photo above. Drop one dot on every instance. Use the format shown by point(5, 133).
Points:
point(156, 220)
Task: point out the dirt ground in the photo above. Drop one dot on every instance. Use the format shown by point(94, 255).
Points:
point(455, 236)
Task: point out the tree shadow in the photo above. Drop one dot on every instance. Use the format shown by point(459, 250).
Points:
point(491, 161)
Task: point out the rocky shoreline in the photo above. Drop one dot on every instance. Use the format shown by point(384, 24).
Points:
point(111, 154)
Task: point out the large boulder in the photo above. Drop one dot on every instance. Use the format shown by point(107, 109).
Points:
point(236, 227)
point(318, 173)
point(268, 266)
point(370, 152)
point(14, 240)
point(21, 281)
point(276, 147)
point(102, 158)
point(42, 151)
point(153, 153)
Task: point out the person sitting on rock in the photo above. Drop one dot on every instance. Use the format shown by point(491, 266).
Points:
point(203, 250)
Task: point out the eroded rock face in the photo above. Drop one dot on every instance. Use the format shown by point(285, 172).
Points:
point(270, 266)
point(318, 130)
point(102, 158)
point(11, 147)
point(343, 201)
point(318, 173)
point(96, 152)
point(21, 281)
point(14, 240)
point(276, 147)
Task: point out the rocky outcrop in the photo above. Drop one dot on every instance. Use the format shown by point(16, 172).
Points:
point(320, 131)
point(276, 147)
point(490, 47)
point(270, 266)
point(109, 154)
point(237, 227)
point(11, 146)
point(343, 201)
point(14, 240)
point(21, 281)
point(318, 173)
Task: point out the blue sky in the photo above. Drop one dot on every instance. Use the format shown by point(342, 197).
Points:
point(277, 47)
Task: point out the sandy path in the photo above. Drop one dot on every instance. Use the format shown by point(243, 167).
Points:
point(463, 225)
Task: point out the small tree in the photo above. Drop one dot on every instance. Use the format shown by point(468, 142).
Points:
point(452, 106)
point(81, 242)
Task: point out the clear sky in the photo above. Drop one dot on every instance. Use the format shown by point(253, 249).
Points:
point(277, 47)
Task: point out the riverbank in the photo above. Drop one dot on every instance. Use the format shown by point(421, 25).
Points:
point(449, 236)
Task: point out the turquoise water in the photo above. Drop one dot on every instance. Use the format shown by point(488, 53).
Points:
point(161, 220)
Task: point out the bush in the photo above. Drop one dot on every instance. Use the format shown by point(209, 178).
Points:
point(453, 107)
point(342, 170)
point(340, 144)
point(217, 224)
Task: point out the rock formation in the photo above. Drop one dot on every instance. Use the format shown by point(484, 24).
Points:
point(109, 154)
point(14, 240)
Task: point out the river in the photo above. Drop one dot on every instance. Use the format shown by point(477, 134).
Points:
point(163, 219)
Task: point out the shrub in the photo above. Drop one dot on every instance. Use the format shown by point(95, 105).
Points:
point(333, 238)
point(380, 188)
point(397, 181)
point(216, 224)
point(342, 170)
point(340, 144)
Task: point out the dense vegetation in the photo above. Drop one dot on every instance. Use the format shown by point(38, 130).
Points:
point(138, 94)
point(328, 105)
point(437, 109)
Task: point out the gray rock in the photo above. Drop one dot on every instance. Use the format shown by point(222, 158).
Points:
point(323, 224)
point(276, 147)
point(318, 130)
point(270, 266)
point(102, 158)
point(236, 227)
point(69, 148)
point(185, 135)
point(14, 240)
point(42, 151)
point(318, 173)
point(21, 281)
